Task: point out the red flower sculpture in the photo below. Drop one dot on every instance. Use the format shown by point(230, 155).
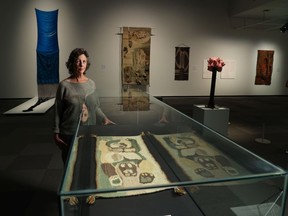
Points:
point(215, 63)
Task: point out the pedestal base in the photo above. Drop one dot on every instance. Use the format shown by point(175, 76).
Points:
point(216, 119)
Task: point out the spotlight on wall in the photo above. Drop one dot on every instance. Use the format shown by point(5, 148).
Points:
point(284, 28)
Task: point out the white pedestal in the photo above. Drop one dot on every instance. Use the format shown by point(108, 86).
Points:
point(217, 119)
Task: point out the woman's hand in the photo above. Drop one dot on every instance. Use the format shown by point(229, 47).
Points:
point(59, 142)
point(108, 121)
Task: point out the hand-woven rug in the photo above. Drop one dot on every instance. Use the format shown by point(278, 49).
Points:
point(197, 158)
point(121, 162)
point(125, 162)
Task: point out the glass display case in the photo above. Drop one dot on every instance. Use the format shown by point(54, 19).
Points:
point(157, 161)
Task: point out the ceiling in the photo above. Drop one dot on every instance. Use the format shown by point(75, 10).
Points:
point(264, 15)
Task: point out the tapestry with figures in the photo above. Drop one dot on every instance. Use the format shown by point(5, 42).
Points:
point(136, 56)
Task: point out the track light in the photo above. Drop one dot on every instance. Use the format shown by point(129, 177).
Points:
point(284, 28)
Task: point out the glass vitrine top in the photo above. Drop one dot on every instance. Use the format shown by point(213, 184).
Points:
point(152, 146)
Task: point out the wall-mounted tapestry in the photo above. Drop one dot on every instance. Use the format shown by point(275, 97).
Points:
point(136, 56)
point(47, 48)
point(182, 63)
point(47, 56)
point(264, 67)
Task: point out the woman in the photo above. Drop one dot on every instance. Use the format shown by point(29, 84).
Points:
point(76, 100)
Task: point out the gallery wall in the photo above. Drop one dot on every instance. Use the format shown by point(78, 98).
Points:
point(203, 26)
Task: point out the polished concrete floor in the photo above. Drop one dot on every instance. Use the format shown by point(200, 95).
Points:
point(30, 163)
point(31, 167)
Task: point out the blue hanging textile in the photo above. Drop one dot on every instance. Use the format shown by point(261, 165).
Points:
point(47, 47)
point(47, 31)
point(47, 68)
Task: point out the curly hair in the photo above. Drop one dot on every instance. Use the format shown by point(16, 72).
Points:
point(71, 63)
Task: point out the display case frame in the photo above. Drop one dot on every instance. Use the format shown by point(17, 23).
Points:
point(202, 168)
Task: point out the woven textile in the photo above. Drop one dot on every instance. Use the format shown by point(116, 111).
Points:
point(136, 56)
point(113, 162)
point(47, 47)
point(197, 158)
point(126, 162)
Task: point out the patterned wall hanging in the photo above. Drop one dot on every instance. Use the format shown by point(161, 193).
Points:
point(136, 56)
point(264, 67)
point(47, 47)
point(182, 63)
point(47, 56)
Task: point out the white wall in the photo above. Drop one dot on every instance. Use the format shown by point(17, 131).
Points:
point(203, 26)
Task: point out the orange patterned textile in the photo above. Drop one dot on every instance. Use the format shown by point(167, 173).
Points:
point(264, 67)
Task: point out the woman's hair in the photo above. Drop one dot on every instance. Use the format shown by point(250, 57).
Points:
point(71, 63)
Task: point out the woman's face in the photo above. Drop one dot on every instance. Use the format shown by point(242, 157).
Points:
point(81, 64)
